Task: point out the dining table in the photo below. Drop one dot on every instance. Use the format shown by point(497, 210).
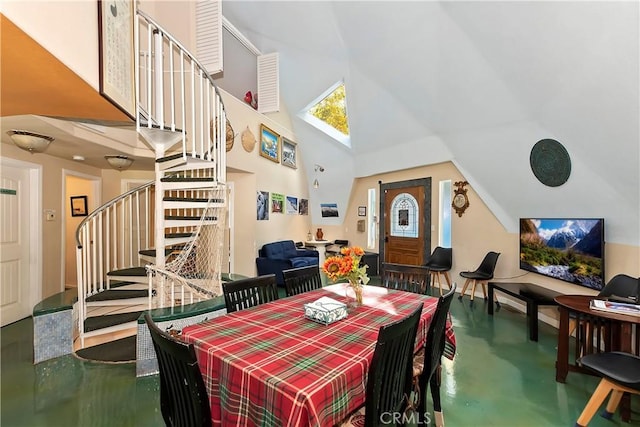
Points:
point(269, 365)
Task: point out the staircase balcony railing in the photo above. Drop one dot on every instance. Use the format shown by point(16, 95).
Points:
point(175, 93)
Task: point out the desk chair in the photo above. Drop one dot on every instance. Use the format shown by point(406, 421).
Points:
point(620, 374)
point(439, 264)
point(409, 278)
point(427, 362)
point(183, 396)
point(389, 378)
point(246, 293)
point(302, 279)
point(481, 275)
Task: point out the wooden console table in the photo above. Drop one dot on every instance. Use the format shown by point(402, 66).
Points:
point(533, 295)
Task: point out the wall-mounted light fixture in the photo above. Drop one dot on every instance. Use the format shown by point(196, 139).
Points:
point(317, 168)
point(29, 141)
point(119, 162)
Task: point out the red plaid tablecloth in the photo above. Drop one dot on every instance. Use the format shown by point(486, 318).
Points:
point(268, 365)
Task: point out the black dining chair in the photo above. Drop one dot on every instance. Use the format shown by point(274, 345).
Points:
point(246, 293)
point(410, 278)
point(620, 374)
point(301, 279)
point(426, 364)
point(335, 247)
point(184, 401)
point(481, 275)
point(389, 378)
point(439, 264)
point(624, 287)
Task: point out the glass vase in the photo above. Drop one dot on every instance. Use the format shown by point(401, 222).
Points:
point(354, 294)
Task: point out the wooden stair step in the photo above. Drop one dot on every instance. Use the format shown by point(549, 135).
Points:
point(152, 252)
point(121, 350)
point(132, 271)
point(117, 294)
point(101, 322)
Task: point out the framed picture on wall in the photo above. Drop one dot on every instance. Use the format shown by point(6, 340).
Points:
point(269, 144)
point(116, 50)
point(362, 211)
point(288, 153)
point(79, 206)
point(262, 206)
point(292, 205)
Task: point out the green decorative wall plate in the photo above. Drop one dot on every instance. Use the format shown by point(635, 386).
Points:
point(550, 162)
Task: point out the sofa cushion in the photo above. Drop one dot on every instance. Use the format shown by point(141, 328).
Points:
point(279, 250)
point(303, 261)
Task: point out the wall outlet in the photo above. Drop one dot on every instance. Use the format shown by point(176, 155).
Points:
point(50, 214)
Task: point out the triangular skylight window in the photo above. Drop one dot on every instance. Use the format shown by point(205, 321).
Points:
point(328, 113)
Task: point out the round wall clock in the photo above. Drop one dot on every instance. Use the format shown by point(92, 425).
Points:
point(550, 162)
point(460, 199)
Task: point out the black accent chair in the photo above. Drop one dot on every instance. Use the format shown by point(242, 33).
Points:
point(622, 287)
point(302, 279)
point(246, 293)
point(481, 275)
point(334, 248)
point(183, 397)
point(439, 264)
point(620, 374)
point(410, 278)
point(427, 369)
point(389, 379)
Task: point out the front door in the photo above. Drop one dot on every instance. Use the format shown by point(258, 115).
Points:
point(406, 224)
point(15, 295)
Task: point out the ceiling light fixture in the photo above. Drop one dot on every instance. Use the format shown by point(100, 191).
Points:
point(29, 141)
point(119, 162)
point(317, 168)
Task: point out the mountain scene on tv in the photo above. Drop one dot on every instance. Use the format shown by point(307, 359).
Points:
point(569, 250)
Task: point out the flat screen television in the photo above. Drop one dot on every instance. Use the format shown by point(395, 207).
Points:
point(569, 249)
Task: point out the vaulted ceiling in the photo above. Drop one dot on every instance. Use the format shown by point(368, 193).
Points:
point(476, 83)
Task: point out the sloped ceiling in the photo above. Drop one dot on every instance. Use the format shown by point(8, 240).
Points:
point(476, 83)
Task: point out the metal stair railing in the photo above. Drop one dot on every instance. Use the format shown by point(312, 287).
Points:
point(177, 101)
point(110, 238)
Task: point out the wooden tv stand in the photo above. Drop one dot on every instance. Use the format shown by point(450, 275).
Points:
point(533, 295)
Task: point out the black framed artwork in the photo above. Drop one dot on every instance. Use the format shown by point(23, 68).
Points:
point(79, 206)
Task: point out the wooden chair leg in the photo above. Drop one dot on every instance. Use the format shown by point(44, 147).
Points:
point(435, 275)
point(473, 289)
point(614, 402)
point(484, 289)
point(464, 288)
point(598, 396)
point(447, 278)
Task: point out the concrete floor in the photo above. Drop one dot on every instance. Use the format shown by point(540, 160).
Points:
point(498, 378)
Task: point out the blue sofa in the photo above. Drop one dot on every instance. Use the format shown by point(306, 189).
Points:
point(277, 256)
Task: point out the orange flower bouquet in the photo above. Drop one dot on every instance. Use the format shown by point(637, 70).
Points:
point(347, 266)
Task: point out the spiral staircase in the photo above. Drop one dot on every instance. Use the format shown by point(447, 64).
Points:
point(158, 245)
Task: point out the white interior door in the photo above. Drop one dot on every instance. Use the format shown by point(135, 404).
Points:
point(15, 287)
